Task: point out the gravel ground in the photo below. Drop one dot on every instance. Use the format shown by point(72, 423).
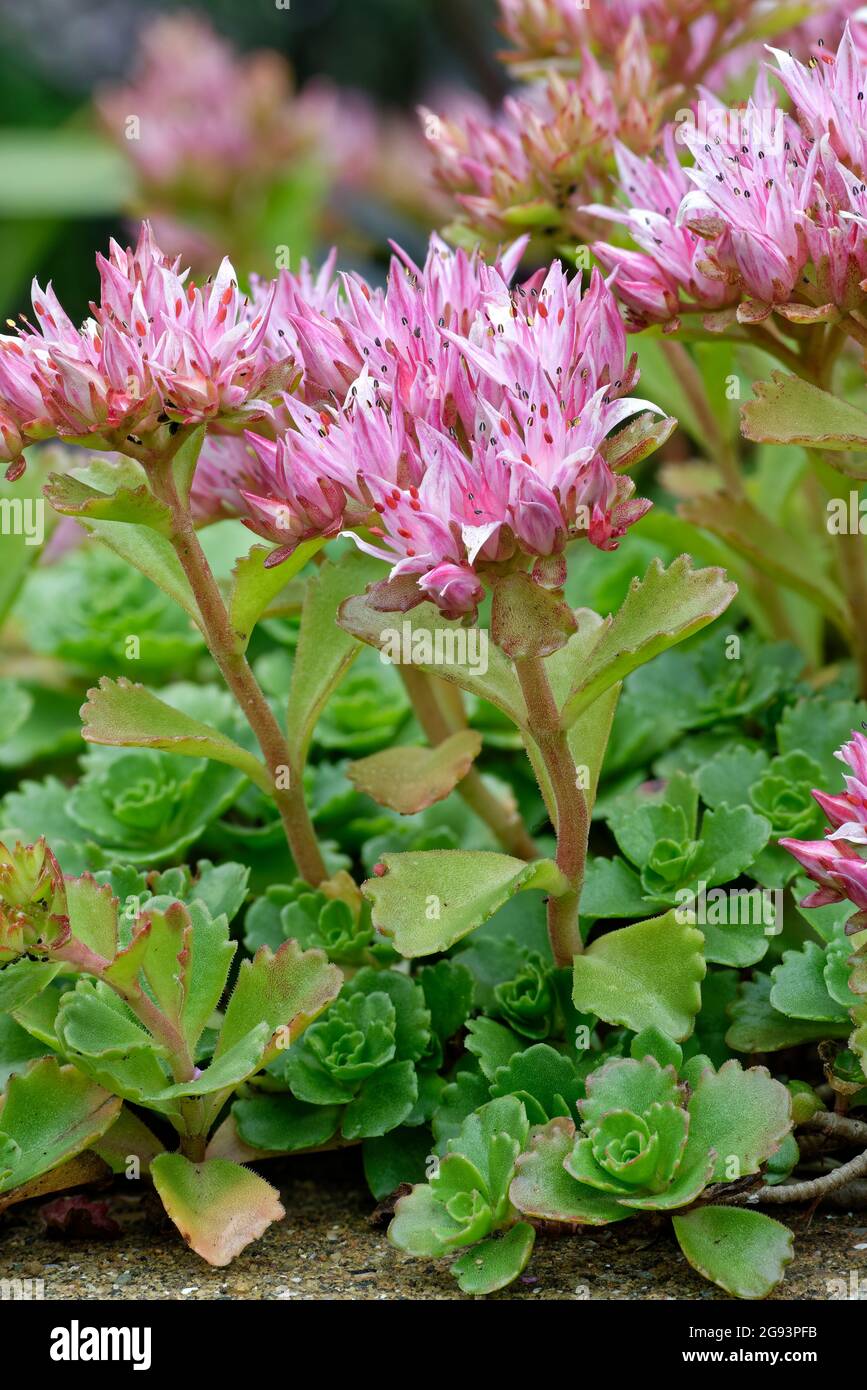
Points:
point(327, 1248)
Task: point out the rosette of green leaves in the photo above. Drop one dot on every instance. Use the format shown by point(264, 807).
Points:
point(780, 789)
point(808, 996)
point(135, 805)
point(339, 926)
point(465, 1206)
point(139, 1019)
point(670, 855)
point(360, 1061)
point(648, 1142)
point(366, 712)
point(87, 606)
point(528, 1002)
point(547, 1081)
point(370, 1069)
point(687, 703)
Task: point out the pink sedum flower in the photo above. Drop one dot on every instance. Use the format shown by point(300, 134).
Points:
point(771, 215)
point(847, 812)
point(156, 350)
point(474, 431)
point(835, 864)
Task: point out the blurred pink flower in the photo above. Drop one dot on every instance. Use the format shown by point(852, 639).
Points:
point(196, 115)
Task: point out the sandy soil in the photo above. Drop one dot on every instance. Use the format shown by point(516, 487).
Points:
point(327, 1248)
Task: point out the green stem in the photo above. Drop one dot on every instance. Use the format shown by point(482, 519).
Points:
point(503, 818)
point(236, 672)
point(570, 805)
point(689, 377)
point(852, 567)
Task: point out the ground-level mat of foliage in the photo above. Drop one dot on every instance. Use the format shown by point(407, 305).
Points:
point(328, 1247)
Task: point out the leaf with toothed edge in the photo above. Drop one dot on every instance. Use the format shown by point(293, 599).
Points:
point(494, 1264)
point(430, 634)
point(408, 779)
point(255, 585)
point(543, 1189)
point(319, 665)
point(743, 1116)
point(72, 497)
point(218, 1206)
point(787, 410)
point(664, 608)
point(123, 714)
point(287, 989)
point(151, 554)
point(428, 899)
point(644, 976)
point(49, 1114)
point(528, 620)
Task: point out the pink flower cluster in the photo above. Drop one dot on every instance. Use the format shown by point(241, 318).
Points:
point(687, 32)
point(449, 422)
point(525, 167)
point(694, 39)
point(771, 215)
point(195, 113)
point(835, 863)
point(157, 350)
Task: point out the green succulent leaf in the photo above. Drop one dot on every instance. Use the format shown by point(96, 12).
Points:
point(544, 1190)
point(72, 496)
point(492, 1044)
point(396, 1158)
point(430, 633)
point(528, 620)
point(287, 990)
point(744, 1252)
point(255, 586)
point(758, 1027)
point(644, 976)
point(788, 410)
point(383, 1102)
point(282, 1124)
point(49, 1114)
point(23, 980)
point(125, 715)
point(410, 779)
point(17, 1048)
point(319, 664)
point(545, 1081)
point(448, 994)
point(218, 1206)
point(494, 1264)
point(612, 888)
point(799, 989)
point(427, 901)
point(743, 1116)
point(664, 608)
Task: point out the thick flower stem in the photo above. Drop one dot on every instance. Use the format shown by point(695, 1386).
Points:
point(570, 807)
point(851, 552)
point(438, 723)
point(236, 672)
point(853, 572)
